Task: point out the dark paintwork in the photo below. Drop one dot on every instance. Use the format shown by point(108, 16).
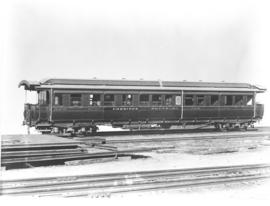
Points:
point(40, 114)
point(126, 114)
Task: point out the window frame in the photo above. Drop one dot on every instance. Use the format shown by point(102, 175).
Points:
point(111, 102)
point(226, 100)
point(93, 100)
point(145, 103)
point(125, 101)
point(251, 99)
point(240, 102)
point(156, 102)
point(189, 97)
point(60, 96)
point(217, 101)
point(44, 97)
point(171, 101)
point(203, 99)
point(71, 100)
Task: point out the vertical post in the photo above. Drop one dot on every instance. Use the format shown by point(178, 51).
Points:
point(25, 96)
point(182, 104)
point(254, 105)
point(51, 103)
point(28, 109)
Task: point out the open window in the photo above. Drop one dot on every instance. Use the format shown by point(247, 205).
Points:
point(94, 100)
point(156, 100)
point(126, 99)
point(43, 97)
point(58, 99)
point(189, 100)
point(239, 100)
point(168, 100)
point(109, 99)
point(228, 100)
point(144, 99)
point(200, 100)
point(75, 99)
point(214, 100)
point(250, 100)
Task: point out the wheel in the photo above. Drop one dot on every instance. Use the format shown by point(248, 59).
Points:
point(165, 126)
point(217, 126)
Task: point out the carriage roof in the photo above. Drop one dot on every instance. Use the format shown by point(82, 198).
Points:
point(138, 85)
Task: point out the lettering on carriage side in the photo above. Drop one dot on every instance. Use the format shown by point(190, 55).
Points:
point(125, 108)
point(163, 108)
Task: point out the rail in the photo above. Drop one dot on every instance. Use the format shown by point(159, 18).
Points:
point(125, 182)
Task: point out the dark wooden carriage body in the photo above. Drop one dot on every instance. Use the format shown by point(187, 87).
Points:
point(83, 104)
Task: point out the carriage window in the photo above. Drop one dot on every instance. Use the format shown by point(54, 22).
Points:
point(75, 99)
point(200, 100)
point(58, 99)
point(178, 100)
point(214, 100)
point(156, 99)
point(168, 100)
point(144, 99)
point(94, 100)
point(249, 100)
point(127, 99)
point(108, 99)
point(239, 100)
point(189, 100)
point(228, 100)
point(43, 97)
point(47, 97)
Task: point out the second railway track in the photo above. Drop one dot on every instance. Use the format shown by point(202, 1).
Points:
point(126, 182)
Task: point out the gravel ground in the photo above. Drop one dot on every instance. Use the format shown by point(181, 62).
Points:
point(186, 154)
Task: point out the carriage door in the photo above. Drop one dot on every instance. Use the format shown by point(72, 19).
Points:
point(43, 101)
point(179, 106)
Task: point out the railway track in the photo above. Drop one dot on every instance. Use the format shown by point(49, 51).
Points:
point(44, 157)
point(179, 138)
point(21, 156)
point(108, 184)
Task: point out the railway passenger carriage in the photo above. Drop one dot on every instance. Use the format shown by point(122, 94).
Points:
point(73, 105)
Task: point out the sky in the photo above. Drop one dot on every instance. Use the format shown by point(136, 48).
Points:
point(168, 40)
